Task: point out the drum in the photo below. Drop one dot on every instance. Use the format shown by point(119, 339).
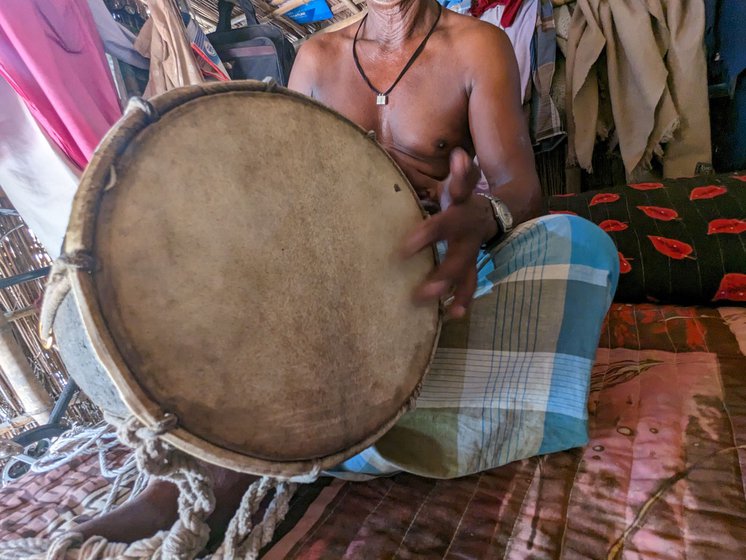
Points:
point(233, 261)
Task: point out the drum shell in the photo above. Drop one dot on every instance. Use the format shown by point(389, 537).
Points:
point(82, 364)
point(98, 312)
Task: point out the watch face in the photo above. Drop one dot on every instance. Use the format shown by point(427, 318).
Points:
point(501, 211)
point(505, 216)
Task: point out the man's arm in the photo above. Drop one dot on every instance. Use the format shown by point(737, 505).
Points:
point(303, 75)
point(498, 126)
point(501, 141)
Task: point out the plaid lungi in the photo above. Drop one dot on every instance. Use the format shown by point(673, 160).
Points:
point(511, 379)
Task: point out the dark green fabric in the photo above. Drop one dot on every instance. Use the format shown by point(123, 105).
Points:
point(686, 245)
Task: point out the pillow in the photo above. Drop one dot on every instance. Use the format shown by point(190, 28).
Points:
point(679, 241)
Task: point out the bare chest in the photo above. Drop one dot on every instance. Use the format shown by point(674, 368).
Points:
point(425, 115)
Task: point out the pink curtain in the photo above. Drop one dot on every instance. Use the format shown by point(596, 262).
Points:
point(52, 56)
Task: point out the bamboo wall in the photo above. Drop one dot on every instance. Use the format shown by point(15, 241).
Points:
point(21, 252)
point(273, 11)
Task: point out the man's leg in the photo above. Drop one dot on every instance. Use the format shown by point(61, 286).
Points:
point(511, 380)
point(155, 509)
point(508, 382)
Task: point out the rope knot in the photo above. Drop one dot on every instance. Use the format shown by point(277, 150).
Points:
point(78, 260)
point(58, 286)
point(165, 424)
point(270, 84)
point(134, 434)
point(308, 478)
point(412, 401)
point(138, 103)
point(60, 546)
point(159, 460)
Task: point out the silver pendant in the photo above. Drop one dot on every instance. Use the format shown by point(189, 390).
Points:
point(382, 99)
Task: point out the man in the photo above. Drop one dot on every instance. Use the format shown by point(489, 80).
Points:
point(438, 89)
point(459, 97)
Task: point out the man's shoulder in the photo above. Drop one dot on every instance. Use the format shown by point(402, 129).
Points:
point(480, 49)
point(464, 29)
point(324, 44)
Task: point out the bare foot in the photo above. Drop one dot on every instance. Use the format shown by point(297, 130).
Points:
point(155, 509)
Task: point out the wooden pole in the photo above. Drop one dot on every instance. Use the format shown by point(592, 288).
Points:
point(17, 372)
point(345, 22)
point(336, 26)
point(19, 314)
point(286, 7)
point(354, 8)
point(276, 14)
point(14, 425)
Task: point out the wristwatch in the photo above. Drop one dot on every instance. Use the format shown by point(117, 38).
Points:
point(502, 216)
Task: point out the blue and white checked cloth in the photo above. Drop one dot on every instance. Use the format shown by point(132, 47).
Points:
point(511, 380)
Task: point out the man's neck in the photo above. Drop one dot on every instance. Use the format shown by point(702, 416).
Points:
point(391, 23)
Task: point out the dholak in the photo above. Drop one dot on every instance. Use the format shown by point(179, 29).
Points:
point(232, 255)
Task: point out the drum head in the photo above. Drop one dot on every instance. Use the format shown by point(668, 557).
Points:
point(247, 277)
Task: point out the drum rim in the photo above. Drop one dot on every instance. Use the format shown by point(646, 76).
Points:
point(80, 240)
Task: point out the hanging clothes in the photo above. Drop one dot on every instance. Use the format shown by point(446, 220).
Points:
point(118, 40)
point(656, 76)
point(36, 177)
point(508, 14)
point(128, 67)
point(521, 35)
point(163, 40)
point(690, 148)
point(545, 123)
point(51, 54)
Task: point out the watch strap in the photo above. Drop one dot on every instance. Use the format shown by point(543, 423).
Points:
point(502, 230)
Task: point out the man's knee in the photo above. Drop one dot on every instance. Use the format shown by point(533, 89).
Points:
point(584, 245)
point(558, 246)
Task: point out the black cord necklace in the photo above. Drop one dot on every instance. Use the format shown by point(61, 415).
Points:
point(382, 98)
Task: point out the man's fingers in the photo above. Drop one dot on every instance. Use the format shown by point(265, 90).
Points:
point(464, 175)
point(432, 289)
point(463, 294)
point(454, 269)
point(456, 274)
point(425, 234)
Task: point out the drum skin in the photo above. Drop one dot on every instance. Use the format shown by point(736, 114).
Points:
point(247, 277)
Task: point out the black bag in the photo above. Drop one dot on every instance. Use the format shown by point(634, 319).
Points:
point(254, 52)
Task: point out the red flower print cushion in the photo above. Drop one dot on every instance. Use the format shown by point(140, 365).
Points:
point(679, 241)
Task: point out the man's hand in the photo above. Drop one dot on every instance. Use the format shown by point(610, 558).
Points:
point(466, 222)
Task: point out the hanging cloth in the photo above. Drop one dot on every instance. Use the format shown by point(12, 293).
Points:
point(36, 178)
point(163, 39)
point(118, 40)
point(521, 35)
point(51, 54)
point(509, 12)
point(690, 148)
point(545, 123)
point(654, 67)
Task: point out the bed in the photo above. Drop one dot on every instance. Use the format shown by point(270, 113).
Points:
point(663, 475)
